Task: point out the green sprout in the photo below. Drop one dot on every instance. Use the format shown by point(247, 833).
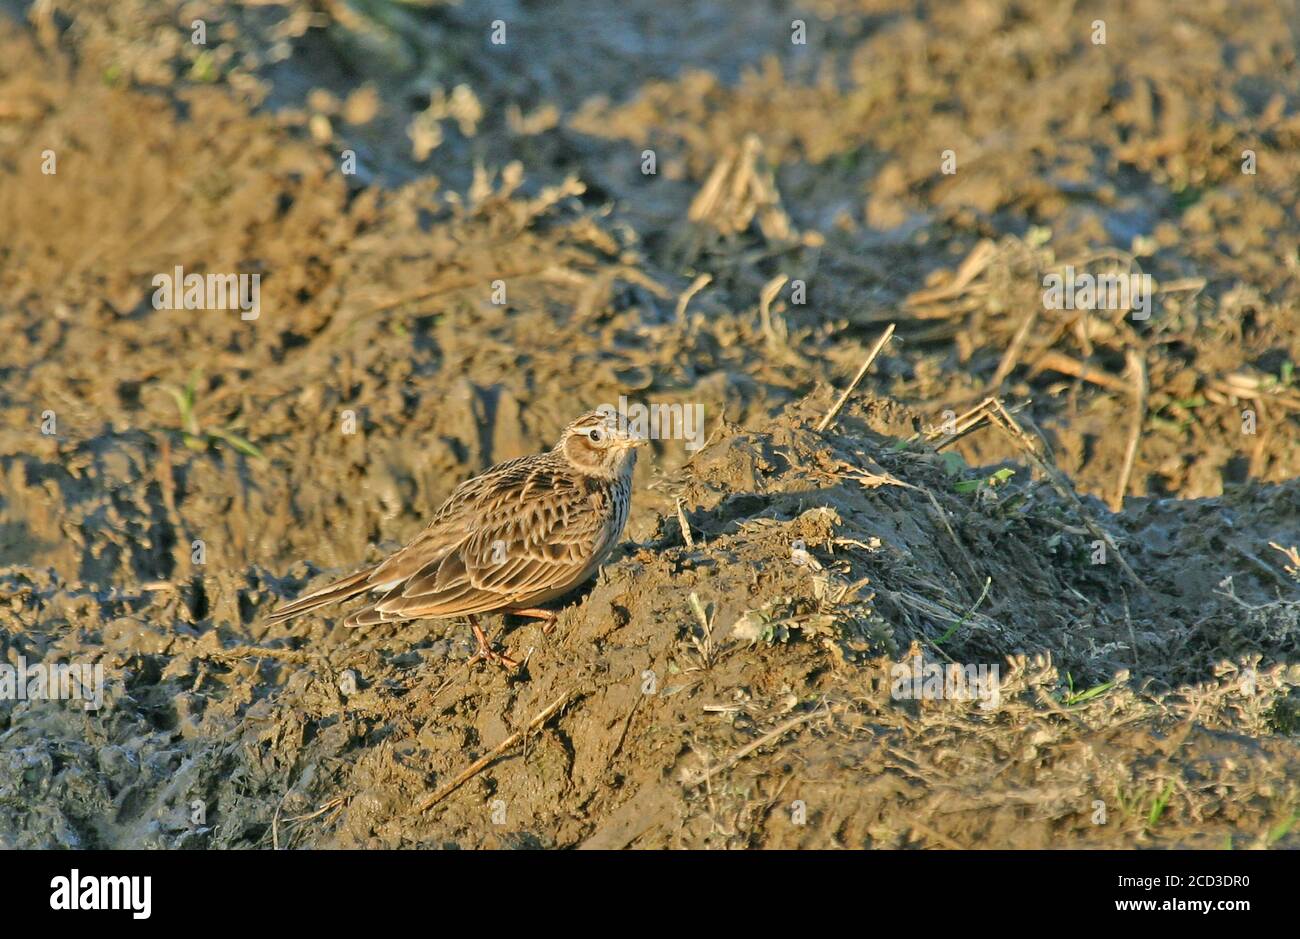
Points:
point(1159, 803)
point(1073, 697)
point(972, 485)
point(194, 436)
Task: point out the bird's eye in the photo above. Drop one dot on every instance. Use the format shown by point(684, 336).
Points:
point(596, 435)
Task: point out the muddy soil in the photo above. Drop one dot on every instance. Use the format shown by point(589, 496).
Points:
point(460, 250)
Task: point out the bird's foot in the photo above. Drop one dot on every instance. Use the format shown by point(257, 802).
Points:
point(548, 617)
point(486, 652)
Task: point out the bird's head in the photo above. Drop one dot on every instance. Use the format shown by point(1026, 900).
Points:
point(595, 446)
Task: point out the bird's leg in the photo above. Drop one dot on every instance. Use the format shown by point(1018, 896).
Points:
point(485, 651)
point(548, 617)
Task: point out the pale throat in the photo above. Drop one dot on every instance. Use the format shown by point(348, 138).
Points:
point(610, 465)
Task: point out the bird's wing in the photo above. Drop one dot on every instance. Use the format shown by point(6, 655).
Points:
point(515, 533)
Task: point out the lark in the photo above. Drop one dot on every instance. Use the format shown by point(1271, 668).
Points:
point(525, 532)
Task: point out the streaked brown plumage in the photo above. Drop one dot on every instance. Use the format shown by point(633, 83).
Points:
point(524, 532)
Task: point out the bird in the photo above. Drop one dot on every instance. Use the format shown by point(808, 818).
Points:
point(520, 534)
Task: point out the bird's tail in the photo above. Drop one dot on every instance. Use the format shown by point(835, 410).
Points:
point(339, 590)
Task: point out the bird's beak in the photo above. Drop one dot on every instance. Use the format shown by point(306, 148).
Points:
point(631, 442)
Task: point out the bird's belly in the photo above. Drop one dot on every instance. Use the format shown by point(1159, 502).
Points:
point(598, 556)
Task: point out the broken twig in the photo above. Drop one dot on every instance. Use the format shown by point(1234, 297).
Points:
point(871, 357)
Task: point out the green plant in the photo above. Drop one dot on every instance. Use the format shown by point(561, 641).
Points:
point(194, 436)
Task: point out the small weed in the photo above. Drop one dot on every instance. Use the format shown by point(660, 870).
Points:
point(972, 485)
point(1282, 828)
point(967, 615)
point(1073, 697)
point(192, 435)
point(1159, 803)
